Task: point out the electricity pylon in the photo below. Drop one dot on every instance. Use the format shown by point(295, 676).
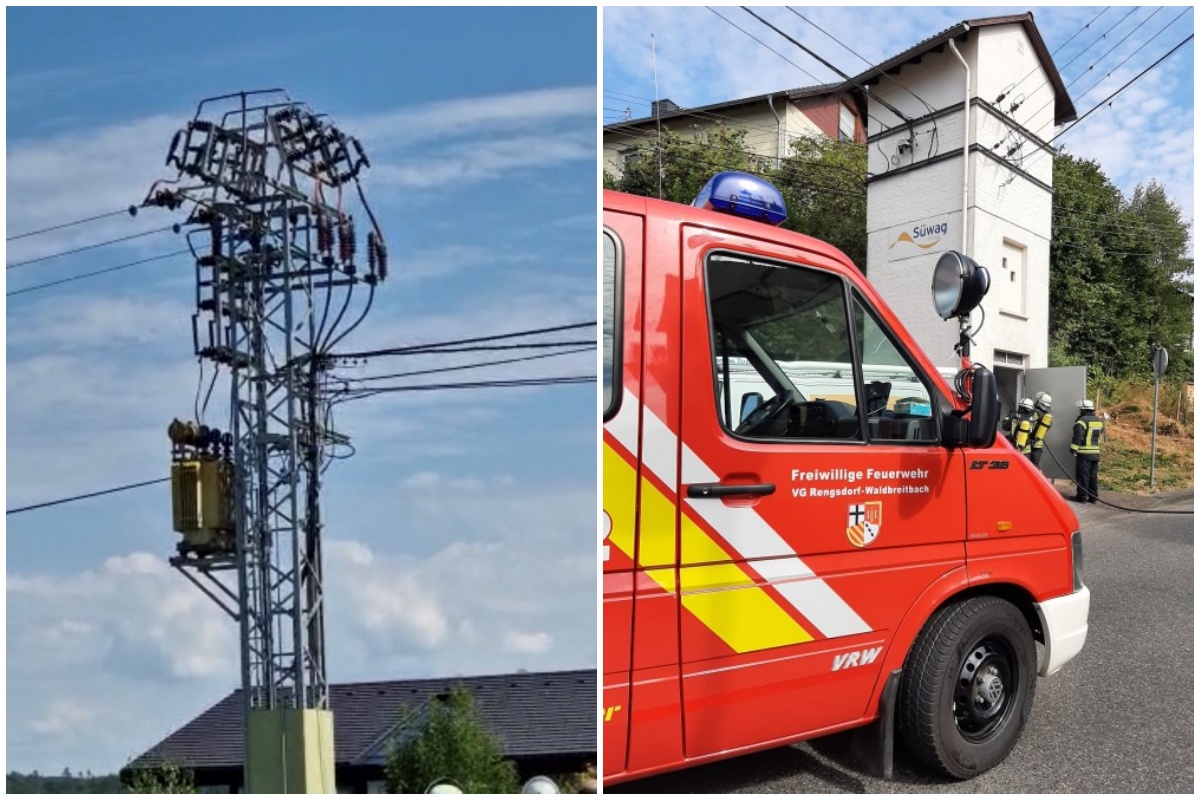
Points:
point(275, 248)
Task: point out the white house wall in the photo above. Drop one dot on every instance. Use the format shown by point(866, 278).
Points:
point(938, 80)
point(1003, 205)
point(1011, 59)
point(762, 130)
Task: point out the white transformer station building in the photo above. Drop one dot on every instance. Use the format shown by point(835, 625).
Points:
point(994, 81)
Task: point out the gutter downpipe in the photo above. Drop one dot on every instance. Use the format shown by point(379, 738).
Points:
point(966, 140)
point(778, 131)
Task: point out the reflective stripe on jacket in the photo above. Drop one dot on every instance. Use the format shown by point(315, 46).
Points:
point(1085, 436)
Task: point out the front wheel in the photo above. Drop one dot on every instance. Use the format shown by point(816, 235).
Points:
point(968, 686)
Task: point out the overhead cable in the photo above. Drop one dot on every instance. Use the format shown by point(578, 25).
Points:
point(132, 211)
point(472, 366)
point(89, 247)
point(429, 347)
point(127, 265)
point(73, 498)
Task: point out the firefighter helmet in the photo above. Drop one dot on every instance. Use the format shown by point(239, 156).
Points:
point(1026, 404)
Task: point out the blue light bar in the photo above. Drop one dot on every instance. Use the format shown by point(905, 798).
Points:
point(744, 195)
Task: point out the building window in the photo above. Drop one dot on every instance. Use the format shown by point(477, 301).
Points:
point(782, 354)
point(610, 332)
point(845, 123)
point(1013, 273)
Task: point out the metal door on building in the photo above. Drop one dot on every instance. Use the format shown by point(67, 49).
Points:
point(1066, 386)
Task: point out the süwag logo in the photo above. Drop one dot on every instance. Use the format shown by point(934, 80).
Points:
point(924, 235)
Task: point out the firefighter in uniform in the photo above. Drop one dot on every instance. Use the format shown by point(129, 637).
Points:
point(1085, 445)
point(1009, 425)
point(1031, 432)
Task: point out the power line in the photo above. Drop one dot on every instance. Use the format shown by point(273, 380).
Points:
point(1133, 80)
point(73, 498)
point(132, 211)
point(814, 78)
point(472, 366)
point(1120, 42)
point(855, 53)
point(830, 66)
point(1135, 52)
point(1036, 65)
point(764, 44)
point(436, 347)
point(568, 380)
point(89, 247)
point(1031, 117)
point(127, 265)
point(1068, 129)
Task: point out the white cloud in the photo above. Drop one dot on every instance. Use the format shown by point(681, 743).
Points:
point(504, 589)
point(518, 642)
point(476, 117)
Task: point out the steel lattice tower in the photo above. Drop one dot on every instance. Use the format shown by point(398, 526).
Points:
point(275, 263)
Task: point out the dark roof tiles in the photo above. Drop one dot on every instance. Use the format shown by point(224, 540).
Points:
point(532, 713)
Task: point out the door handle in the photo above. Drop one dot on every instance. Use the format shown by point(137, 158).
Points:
point(700, 490)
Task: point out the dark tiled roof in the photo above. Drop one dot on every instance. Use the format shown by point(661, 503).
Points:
point(532, 713)
point(1064, 109)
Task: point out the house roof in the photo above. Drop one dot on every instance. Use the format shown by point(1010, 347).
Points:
point(790, 94)
point(1064, 109)
point(532, 713)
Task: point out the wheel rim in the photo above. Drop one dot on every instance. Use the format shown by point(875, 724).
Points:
point(986, 691)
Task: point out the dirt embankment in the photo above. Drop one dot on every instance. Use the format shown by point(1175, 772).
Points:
point(1125, 456)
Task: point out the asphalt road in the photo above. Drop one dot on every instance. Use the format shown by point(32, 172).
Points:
point(1119, 718)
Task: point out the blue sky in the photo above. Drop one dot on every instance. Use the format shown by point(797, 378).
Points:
point(1148, 133)
point(461, 538)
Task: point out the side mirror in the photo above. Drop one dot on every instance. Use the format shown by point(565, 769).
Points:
point(750, 403)
point(980, 429)
point(985, 409)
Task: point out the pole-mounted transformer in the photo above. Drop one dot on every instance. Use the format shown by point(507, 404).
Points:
point(266, 184)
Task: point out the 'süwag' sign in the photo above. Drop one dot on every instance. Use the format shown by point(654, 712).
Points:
point(931, 235)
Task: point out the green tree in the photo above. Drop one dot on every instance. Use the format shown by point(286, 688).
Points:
point(821, 180)
point(164, 779)
point(1117, 274)
point(688, 160)
point(452, 745)
point(823, 185)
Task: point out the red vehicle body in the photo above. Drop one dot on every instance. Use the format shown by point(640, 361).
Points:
point(766, 585)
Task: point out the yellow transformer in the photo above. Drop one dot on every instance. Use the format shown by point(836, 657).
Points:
point(198, 499)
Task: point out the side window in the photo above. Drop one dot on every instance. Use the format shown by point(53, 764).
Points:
point(899, 404)
point(782, 354)
point(611, 327)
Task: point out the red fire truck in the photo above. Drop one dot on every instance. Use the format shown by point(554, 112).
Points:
point(807, 529)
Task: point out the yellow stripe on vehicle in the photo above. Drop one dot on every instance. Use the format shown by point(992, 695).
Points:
point(722, 596)
point(731, 604)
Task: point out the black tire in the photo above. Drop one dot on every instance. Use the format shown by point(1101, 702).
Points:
point(967, 687)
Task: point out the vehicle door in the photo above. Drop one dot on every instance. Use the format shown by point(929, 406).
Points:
point(641, 713)
point(816, 502)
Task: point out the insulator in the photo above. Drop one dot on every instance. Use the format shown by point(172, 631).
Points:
point(371, 257)
point(383, 267)
point(214, 228)
point(353, 240)
point(346, 241)
point(324, 234)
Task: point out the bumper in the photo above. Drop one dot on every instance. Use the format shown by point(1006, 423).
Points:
point(1065, 624)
